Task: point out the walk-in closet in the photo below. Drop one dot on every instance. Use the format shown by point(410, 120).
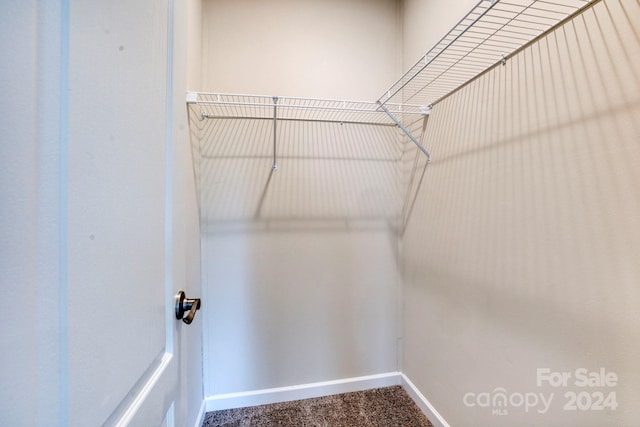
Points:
point(463, 227)
point(437, 199)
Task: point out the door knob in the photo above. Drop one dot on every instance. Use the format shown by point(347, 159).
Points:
point(184, 305)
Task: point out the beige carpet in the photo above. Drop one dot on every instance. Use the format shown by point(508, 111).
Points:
point(380, 407)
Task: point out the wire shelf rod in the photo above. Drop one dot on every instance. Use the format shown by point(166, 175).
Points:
point(268, 100)
point(489, 33)
point(306, 107)
point(430, 58)
point(427, 55)
point(281, 119)
point(372, 106)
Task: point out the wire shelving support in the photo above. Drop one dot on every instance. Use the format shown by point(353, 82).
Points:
point(487, 36)
point(492, 32)
point(275, 133)
point(405, 130)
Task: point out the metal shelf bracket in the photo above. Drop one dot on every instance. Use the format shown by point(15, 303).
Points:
point(275, 126)
point(405, 130)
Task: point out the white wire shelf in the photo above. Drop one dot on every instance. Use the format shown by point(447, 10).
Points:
point(489, 34)
point(237, 106)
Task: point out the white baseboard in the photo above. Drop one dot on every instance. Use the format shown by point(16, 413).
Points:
point(326, 388)
point(201, 413)
point(303, 391)
point(436, 419)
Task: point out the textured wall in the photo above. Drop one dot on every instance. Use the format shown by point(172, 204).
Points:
point(425, 22)
point(521, 251)
point(325, 49)
point(299, 265)
point(300, 270)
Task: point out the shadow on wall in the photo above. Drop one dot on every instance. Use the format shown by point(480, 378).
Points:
point(299, 263)
point(329, 176)
point(522, 249)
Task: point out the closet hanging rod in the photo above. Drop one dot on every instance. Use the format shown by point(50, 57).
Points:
point(209, 116)
point(309, 107)
point(324, 105)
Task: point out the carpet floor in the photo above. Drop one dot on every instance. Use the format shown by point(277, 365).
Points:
point(380, 407)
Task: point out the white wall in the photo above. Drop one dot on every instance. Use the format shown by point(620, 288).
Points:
point(521, 252)
point(299, 265)
point(298, 306)
point(326, 49)
point(193, 34)
point(425, 22)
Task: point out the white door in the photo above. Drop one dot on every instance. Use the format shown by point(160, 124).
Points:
point(88, 229)
point(120, 332)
